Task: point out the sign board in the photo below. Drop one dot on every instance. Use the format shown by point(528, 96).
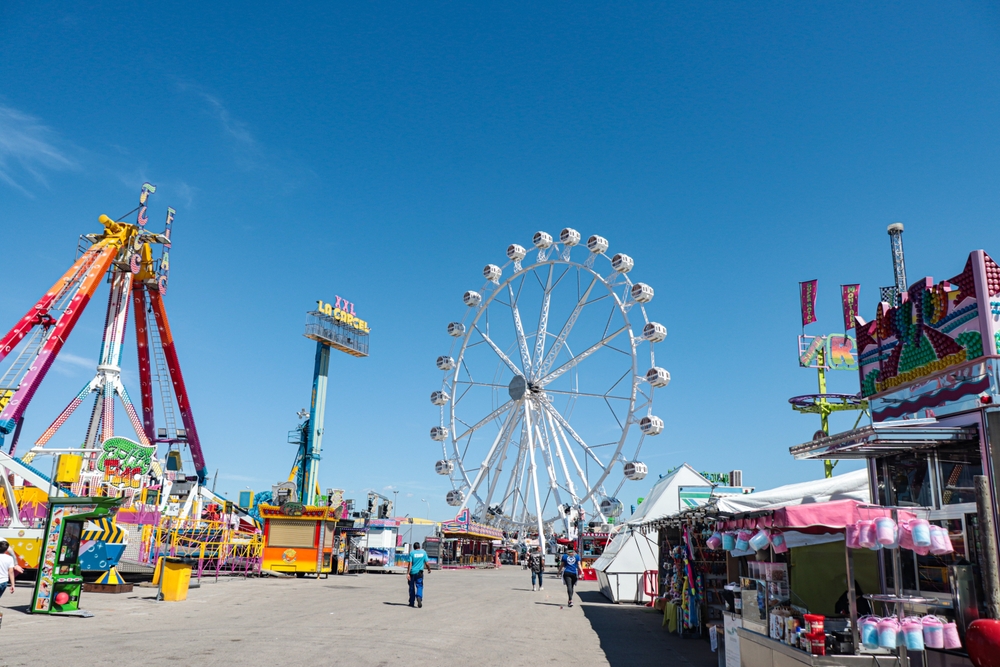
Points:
point(840, 352)
point(693, 496)
point(934, 328)
point(125, 462)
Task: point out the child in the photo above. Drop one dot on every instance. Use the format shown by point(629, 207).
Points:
point(8, 568)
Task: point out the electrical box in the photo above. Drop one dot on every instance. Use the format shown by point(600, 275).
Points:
point(68, 468)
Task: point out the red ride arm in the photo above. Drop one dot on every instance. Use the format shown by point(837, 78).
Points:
point(142, 350)
point(64, 326)
point(177, 379)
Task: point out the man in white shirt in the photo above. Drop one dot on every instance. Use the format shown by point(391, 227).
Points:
point(8, 568)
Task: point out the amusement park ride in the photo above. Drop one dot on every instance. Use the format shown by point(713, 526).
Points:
point(300, 524)
point(534, 422)
point(102, 463)
point(840, 351)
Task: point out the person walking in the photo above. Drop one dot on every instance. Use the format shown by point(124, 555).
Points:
point(415, 574)
point(569, 568)
point(8, 568)
point(536, 563)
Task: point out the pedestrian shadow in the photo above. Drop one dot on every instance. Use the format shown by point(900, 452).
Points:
point(551, 604)
point(523, 589)
point(22, 608)
point(632, 634)
point(396, 604)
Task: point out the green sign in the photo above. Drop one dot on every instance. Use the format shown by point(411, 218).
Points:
point(124, 458)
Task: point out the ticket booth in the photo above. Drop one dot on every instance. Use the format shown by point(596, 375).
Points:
point(60, 580)
point(299, 538)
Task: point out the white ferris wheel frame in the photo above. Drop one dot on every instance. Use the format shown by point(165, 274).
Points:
point(545, 433)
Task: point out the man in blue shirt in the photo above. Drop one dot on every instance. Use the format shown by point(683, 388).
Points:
point(569, 566)
point(415, 574)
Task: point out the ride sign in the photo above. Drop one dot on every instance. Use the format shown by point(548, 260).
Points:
point(343, 312)
point(124, 462)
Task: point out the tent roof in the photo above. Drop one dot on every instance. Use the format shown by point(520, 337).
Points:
point(849, 486)
point(663, 500)
point(630, 551)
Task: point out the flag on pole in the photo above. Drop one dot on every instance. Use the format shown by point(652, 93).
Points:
point(807, 295)
point(849, 299)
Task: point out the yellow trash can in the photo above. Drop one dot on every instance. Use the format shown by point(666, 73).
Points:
point(174, 580)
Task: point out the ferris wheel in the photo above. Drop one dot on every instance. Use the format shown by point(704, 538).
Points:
point(548, 386)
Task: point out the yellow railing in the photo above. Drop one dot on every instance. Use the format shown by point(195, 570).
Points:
point(214, 546)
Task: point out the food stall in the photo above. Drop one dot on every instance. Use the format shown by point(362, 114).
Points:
point(929, 369)
point(795, 600)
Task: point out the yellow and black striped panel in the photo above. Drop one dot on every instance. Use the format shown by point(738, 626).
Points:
point(107, 530)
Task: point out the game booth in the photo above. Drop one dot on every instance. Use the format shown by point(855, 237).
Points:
point(59, 582)
point(467, 543)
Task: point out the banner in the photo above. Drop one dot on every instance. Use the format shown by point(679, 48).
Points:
point(849, 300)
point(807, 296)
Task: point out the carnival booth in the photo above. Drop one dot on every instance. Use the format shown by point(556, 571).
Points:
point(467, 543)
point(693, 576)
point(929, 367)
point(795, 600)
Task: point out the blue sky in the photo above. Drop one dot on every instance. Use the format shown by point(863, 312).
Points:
point(387, 152)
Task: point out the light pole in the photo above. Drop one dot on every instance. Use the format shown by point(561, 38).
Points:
point(424, 500)
point(395, 503)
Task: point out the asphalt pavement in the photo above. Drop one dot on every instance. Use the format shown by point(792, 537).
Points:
point(470, 617)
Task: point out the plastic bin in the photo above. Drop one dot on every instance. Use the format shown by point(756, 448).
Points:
point(174, 580)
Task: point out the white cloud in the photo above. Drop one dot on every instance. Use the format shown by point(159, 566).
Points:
point(248, 151)
point(28, 150)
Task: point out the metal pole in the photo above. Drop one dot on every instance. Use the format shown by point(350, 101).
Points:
point(824, 412)
point(852, 598)
point(317, 416)
point(988, 542)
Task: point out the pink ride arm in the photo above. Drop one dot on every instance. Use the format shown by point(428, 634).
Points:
point(33, 378)
point(33, 316)
point(174, 367)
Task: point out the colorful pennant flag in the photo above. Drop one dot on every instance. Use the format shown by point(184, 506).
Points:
point(849, 299)
point(807, 296)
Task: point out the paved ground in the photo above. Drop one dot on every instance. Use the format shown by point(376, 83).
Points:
point(481, 618)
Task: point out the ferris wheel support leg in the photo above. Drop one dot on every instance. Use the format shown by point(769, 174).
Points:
point(60, 332)
point(520, 466)
point(501, 459)
point(142, 351)
point(177, 379)
point(534, 478)
point(550, 468)
point(562, 459)
point(486, 462)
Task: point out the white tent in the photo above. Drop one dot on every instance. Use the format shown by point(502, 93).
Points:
point(621, 567)
point(849, 486)
point(630, 554)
